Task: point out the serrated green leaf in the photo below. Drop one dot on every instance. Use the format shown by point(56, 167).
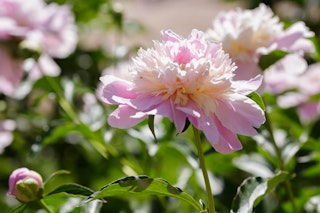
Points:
point(143, 185)
point(271, 58)
point(151, 126)
point(73, 189)
point(253, 190)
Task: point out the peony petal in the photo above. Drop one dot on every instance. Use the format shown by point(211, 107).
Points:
point(246, 70)
point(228, 141)
point(168, 35)
point(209, 129)
point(240, 116)
point(116, 90)
point(125, 117)
point(169, 110)
point(146, 103)
point(309, 111)
point(293, 34)
point(246, 87)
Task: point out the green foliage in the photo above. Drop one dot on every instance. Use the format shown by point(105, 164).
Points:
point(253, 190)
point(271, 58)
point(143, 185)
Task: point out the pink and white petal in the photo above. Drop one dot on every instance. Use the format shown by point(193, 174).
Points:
point(146, 103)
point(209, 129)
point(179, 120)
point(193, 113)
point(178, 117)
point(303, 46)
point(246, 87)
point(45, 65)
point(240, 116)
point(246, 70)
point(116, 90)
point(292, 99)
point(125, 117)
point(309, 112)
point(198, 119)
point(292, 34)
point(169, 110)
point(228, 141)
point(168, 35)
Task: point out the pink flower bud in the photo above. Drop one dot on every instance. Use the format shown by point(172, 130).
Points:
point(26, 185)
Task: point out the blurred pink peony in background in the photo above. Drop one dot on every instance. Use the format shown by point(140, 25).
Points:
point(186, 78)
point(305, 94)
point(248, 34)
point(26, 185)
point(6, 136)
point(48, 30)
point(10, 72)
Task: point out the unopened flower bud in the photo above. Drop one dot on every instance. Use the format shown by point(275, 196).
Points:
point(26, 185)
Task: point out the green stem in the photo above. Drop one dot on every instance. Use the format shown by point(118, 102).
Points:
point(65, 105)
point(204, 170)
point(281, 165)
point(44, 205)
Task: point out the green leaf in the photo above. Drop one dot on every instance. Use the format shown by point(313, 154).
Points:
point(53, 175)
point(271, 58)
point(142, 185)
point(257, 98)
point(253, 190)
point(151, 126)
point(19, 209)
point(56, 133)
point(316, 47)
point(73, 189)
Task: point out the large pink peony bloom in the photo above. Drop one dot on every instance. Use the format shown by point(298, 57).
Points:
point(186, 79)
point(248, 34)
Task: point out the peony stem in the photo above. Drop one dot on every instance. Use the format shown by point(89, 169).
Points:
point(64, 104)
point(281, 165)
point(44, 205)
point(204, 170)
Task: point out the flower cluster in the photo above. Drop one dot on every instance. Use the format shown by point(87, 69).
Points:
point(48, 30)
point(186, 79)
point(248, 34)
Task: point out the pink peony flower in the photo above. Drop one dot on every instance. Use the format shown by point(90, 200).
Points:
point(6, 137)
point(57, 32)
point(46, 29)
point(186, 78)
point(284, 74)
point(26, 185)
point(247, 34)
point(307, 87)
point(19, 17)
point(51, 26)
